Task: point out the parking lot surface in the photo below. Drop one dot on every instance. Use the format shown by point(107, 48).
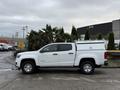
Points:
point(56, 79)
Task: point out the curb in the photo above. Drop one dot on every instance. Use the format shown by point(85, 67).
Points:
point(110, 67)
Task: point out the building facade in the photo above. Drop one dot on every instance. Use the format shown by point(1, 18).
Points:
point(116, 29)
point(103, 28)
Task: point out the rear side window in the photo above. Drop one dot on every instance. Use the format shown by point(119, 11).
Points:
point(64, 47)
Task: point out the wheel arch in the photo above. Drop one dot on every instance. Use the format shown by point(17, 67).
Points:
point(87, 59)
point(27, 59)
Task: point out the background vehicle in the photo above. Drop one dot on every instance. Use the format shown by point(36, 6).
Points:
point(1, 48)
point(86, 55)
point(5, 47)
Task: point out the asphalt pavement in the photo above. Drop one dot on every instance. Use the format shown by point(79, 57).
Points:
point(54, 79)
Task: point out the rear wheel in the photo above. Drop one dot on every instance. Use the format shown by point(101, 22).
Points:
point(28, 67)
point(87, 67)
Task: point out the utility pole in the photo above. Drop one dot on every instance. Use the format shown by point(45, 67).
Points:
point(23, 32)
point(16, 35)
point(119, 31)
point(26, 28)
point(119, 35)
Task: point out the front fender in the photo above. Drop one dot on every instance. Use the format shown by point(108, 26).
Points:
point(26, 57)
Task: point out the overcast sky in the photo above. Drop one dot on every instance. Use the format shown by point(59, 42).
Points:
point(14, 14)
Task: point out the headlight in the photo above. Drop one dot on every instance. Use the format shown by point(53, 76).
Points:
point(18, 56)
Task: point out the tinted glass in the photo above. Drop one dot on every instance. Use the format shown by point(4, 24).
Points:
point(50, 48)
point(64, 47)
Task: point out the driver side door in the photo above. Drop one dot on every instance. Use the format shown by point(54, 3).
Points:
point(48, 55)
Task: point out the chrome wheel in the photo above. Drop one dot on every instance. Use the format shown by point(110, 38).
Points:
point(28, 67)
point(87, 68)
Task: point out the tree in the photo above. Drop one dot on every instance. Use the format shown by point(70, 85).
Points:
point(111, 44)
point(74, 35)
point(60, 35)
point(33, 40)
point(43, 39)
point(49, 33)
point(45, 36)
point(87, 35)
point(119, 45)
point(36, 40)
point(99, 37)
point(67, 37)
point(62, 31)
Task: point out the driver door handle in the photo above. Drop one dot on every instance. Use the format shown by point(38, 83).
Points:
point(55, 54)
point(70, 53)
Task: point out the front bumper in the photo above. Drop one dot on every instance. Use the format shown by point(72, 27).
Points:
point(16, 67)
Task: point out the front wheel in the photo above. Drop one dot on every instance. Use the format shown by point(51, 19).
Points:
point(87, 67)
point(28, 67)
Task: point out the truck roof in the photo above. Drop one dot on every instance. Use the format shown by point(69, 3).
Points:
point(82, 42)
point(90, 41)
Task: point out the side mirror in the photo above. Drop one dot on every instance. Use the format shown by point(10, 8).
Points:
point(41, 51)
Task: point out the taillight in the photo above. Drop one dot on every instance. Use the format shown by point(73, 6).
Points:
point(106, 55)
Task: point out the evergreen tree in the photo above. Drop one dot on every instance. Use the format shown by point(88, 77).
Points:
point(111, 44)
point(67, 37)
point(99, 37)
point(74, 35)
point(62, 31)
point(87, 35)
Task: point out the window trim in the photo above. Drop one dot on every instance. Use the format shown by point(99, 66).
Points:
point(41, 51)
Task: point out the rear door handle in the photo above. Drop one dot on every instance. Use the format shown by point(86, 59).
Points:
point(70, 53)
point(55, 54)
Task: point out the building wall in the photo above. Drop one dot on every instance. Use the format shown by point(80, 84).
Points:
point(7, 40)
point(104, 29)
point(116, 29)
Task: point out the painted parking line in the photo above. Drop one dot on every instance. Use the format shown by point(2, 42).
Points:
point(110, 81)
point(39, 78)
point(87, 79)
point(73, 78)
point(34, 79)
point(65, 78)
point(2, 70)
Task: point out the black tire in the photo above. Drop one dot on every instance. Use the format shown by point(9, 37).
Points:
point(28, 65)
point(87, 67)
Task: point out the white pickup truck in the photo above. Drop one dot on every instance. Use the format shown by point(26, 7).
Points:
point(86, 55)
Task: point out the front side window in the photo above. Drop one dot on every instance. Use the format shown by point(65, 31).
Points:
point(64, 47)
point(50, 48)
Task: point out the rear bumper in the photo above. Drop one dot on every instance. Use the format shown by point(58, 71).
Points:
point(106, 63)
